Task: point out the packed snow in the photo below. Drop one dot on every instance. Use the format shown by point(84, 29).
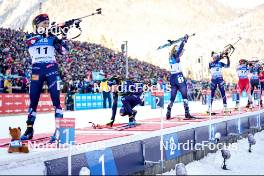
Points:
point(45, 122)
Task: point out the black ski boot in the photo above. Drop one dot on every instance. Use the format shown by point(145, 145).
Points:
point(168, 114)
point(248, 105)
point(189, 116)
point(132, 119)
point(110, 124)
point(237, 106)
point(251, 106)
point(28, 135)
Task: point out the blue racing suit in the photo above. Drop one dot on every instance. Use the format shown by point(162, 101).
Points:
point(44, 68)
point(254, 79)
point(217, 78)
point(177, 80)
point(132, 95)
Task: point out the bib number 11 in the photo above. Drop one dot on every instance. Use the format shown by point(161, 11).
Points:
point(45, 49)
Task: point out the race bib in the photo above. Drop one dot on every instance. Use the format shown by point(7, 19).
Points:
point(216, 72)
point(242, 73)
point(43, 53)
point(180, 79)
point(16, 143)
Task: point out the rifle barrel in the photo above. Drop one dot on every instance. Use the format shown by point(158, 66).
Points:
point(237, 40)
point(97, 12)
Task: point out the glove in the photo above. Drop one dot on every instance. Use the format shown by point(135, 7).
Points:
point(69, 22)
point(170, 41)
point(186, 38)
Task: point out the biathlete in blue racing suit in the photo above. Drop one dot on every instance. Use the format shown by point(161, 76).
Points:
point(42, 49)
point(177, 80)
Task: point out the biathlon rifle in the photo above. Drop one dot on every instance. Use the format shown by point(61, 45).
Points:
point(229, 49)
point(172, 42)
point(63, 28)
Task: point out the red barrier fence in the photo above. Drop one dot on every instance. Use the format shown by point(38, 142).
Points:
point(19, 103)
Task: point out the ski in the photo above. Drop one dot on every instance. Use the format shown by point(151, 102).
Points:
point(180, 118)
point(126, 126)
point(212, 113)
point(245, 109)
point(172, 42)
point(249, 109)
point(118, 127)
point(196, 118)
point(99, 126)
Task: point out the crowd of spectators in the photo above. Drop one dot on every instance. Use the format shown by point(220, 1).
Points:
point(14, 62)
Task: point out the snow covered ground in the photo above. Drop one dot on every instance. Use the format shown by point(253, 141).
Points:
point(241, 162)
point(45, 123)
